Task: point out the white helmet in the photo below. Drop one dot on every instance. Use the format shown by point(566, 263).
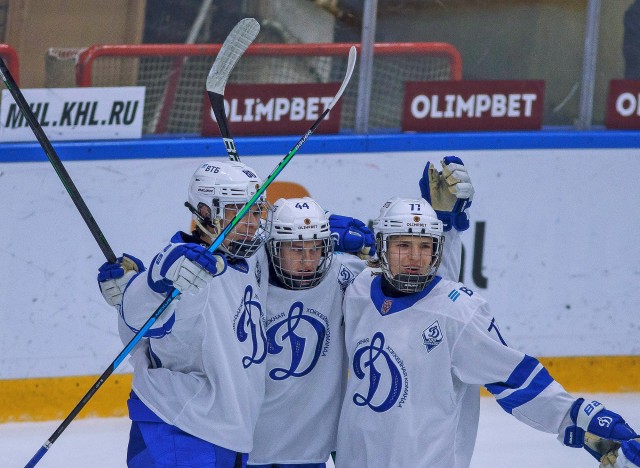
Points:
point(300, 245)
point(217, 185)
point(408, 217)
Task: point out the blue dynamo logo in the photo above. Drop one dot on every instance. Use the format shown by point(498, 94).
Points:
point(372, 354)
point(310, 337)
point(250, 328)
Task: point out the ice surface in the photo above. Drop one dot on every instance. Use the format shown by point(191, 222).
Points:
point(503, 442)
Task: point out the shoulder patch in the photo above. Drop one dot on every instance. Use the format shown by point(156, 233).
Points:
point(345, 277)
point(432, 336)
point(455, 293)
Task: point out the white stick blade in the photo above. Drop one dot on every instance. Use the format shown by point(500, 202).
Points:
point(238, 40)
point(351, 64)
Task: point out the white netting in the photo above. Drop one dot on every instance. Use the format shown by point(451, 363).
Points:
point(175, 86)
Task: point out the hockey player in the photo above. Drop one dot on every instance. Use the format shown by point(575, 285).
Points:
point(305, 362)
point(199, 379)
point(416, 341)
point(306, 368)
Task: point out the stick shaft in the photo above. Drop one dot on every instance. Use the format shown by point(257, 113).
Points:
point(217, 105)
point(56, 162)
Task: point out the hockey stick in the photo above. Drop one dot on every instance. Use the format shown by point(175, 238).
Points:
point(56, 162)
point(234, 46)
point(174, 292)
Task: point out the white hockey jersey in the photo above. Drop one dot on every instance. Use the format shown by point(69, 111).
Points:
point(412, 360)
point(306, 369)
point(204, 366)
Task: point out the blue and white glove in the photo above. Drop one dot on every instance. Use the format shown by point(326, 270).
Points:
point(596, 428)
point(113, 278)
point(353, 236)
point(626, 456)
point(449, 192)
point(629, 455)
point(186, 267)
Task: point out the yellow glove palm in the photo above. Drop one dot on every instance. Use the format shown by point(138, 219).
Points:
point(449, 186)
point(441, 188)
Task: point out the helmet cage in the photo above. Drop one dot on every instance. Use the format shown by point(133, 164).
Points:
point(219, 186)
point(296, 226)
point(409, 283)
point(414, 218)
point(276, 249)
point(242, 243)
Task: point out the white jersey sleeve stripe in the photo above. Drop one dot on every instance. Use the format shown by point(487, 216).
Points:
point(510, 391)
point(157, 332)
point(518, 377)
point(525, 394)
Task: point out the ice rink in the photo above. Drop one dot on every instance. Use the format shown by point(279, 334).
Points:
point(503, 442)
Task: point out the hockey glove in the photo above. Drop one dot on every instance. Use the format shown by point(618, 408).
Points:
point(449, 192)
point(595, 428)
point(113, 278)
point(627, 456)
point(352, 235)
point(187, 267)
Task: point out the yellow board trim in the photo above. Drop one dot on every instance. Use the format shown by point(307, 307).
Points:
point(46, 399)
point(594, 374)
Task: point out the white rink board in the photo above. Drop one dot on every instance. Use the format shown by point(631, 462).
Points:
point(561, 253)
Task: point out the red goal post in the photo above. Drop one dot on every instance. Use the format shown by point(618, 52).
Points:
point(10, 58)
point(175, 75)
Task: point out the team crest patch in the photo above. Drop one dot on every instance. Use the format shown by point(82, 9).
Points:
point(345, 277)
point(386, 306)
point(432, 336)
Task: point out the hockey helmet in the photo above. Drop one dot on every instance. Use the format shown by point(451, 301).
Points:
point(399, 218)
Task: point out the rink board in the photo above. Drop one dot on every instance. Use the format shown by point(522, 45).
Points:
point(46, 399)
point(552, 246)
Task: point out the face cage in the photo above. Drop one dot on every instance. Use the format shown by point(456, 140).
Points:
point(409, 283)
point(291, 281)
point(249, 245)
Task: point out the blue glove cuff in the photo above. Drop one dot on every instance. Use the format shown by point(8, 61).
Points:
point(108, 271)
point(574, 437)
point(424, 185)
point(453, 159)
point(458, 221)
point(162, 286)
point(631, 450)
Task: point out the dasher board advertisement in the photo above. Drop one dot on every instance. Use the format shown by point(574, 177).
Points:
point(472, 105)
point(75, 113)
point(623, 104)
point(275, 109)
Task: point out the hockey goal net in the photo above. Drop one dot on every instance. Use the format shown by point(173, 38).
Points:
point(174, 75)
